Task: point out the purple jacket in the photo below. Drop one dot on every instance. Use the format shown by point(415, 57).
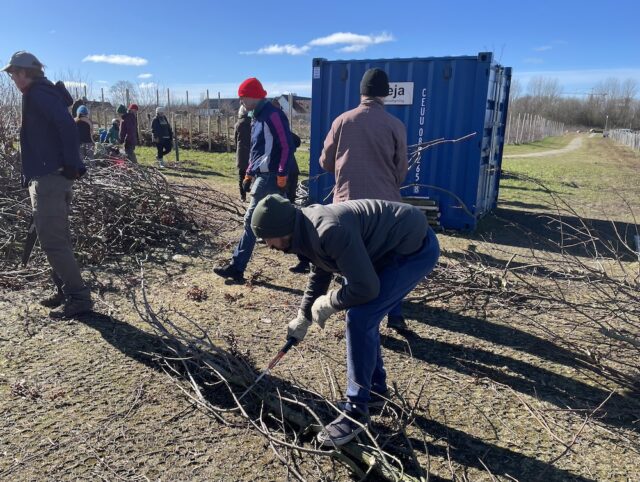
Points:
point(271, 145)
point(129, 129)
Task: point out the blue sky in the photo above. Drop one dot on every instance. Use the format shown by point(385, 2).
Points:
point(197, 45)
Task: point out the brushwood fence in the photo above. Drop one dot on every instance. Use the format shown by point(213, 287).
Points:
point(523, 128)
point(626, 137)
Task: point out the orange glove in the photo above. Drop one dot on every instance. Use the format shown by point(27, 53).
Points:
point(246, 183)
point(282, 182)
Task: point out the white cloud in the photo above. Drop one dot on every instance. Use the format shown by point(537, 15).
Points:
point(145, 76)
point(116, 59)
point(542, 48)
point(353, 48)
point(276, 49)
point(533, 60)
point(147, 85)
point(351, 39)
point(352, 42)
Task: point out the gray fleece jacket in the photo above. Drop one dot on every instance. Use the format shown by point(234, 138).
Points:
point(356, 239)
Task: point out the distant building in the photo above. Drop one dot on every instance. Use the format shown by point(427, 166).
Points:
point(300, 107)
point(215, 107)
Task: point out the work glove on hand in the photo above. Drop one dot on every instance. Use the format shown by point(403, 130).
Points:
point(282, 182)
point(71, 172)
point(322, 309)
point(246, 183)
point(298, 327)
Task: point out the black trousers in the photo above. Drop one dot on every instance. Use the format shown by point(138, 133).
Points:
point(164, 147)
point(292, 186)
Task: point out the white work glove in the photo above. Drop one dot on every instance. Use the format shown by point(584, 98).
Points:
point(322, 309)
point(298, 327)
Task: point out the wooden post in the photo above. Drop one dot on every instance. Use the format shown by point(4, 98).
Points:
point(169, 101)
point(290, 106)
point(104, 114)
point(190, 139)
point(175, 137)
point(157, 98)
point(199, 126)
point(226, 134)
point(126, 93)
point(85, 90)
point(208, 120)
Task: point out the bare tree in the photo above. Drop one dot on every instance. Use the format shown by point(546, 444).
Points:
point(118, 92)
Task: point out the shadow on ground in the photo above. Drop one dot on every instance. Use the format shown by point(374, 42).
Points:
point(464, 448)
point(557, 233)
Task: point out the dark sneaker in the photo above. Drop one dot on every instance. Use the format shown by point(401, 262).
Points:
point(396, 322)
point(378, 400)
point(72, 307)
point(301, 267)
point(345, 428)
point(53, 301)
point(230, 273)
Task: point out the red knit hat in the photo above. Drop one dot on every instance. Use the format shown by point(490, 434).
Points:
point(133, 107)
point(252, 88)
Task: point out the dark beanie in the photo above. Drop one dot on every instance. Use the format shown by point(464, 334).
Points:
point(273, 217)
point(374, 83)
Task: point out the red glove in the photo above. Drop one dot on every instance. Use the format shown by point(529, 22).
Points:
point(282, 182)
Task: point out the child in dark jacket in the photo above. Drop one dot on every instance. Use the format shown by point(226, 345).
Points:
point(85, 137)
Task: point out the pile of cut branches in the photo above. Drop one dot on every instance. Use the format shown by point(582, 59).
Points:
point(119, 209)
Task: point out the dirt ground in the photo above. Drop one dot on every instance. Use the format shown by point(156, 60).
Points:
point(501, 400)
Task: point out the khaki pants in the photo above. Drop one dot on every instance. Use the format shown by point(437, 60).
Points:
point(51, 200)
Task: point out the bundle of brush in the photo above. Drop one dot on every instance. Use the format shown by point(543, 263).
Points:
point(119, 208)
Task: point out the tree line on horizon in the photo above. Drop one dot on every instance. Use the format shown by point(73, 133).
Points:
point(611, 103)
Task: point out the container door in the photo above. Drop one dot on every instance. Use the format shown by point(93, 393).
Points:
point(491, 153)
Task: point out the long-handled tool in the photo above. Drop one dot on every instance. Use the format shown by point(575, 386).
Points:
point(276, 359)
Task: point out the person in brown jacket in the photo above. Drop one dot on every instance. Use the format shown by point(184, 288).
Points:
point(366, 149)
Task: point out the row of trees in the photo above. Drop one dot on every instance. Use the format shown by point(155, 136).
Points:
point(612, 103)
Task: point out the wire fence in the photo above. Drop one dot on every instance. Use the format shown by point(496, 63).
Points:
point(626, 137)
point(523, 128)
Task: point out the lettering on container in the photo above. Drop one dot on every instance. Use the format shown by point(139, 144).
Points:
point(421, 121)
point(400, 93)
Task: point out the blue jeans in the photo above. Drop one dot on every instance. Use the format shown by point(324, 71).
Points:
point(263, 185)
point(365, 368)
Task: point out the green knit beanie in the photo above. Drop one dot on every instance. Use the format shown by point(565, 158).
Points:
point(273, 217)
point(121, 109)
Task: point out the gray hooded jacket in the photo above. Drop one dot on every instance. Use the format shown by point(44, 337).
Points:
point(356, 239)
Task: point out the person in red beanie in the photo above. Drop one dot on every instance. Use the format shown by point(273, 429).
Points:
point(269, 161)
point(129, 132)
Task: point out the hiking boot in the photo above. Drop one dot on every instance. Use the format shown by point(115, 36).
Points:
point(230, 273)
point(377, 400)
point(346, 427)
point(301, 267)
point(72, 307)
point(53, 301)
point(396, 322)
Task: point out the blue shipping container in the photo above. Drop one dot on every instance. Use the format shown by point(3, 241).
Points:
point(436, 98)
